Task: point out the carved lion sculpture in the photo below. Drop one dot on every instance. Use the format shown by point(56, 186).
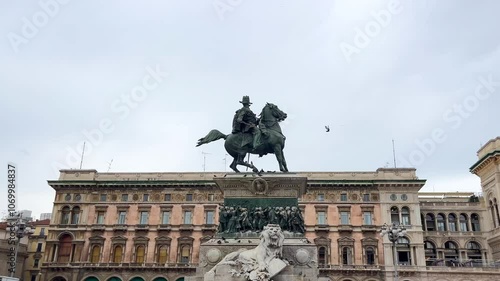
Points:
point(255, 262)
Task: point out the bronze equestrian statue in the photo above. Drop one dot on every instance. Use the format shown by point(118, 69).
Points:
point(251, 134)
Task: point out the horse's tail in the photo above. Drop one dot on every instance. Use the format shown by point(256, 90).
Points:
point(210, 137)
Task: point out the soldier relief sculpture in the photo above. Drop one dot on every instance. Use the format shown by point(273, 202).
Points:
point(241, 219)
point(252, 134)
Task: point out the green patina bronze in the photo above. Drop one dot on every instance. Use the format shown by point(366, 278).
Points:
point(260, 202)
point(251, 134)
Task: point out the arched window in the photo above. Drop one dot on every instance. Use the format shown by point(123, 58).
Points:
point(65, 215)
point(65, 246)
point(139, 254)
point(95, 254)
point(117, 254)
point(474, 219)
point(452, 222)
point(403, 251)
point(430, 253)
point(75, 215)
point(496, 209)
point(441, 226)
point(429, 221)
point(474, 251)
point(463, 223)
point(405, 216)
point(492, 210)
point(422, 220)
point(450, 253)
point(370, 255)
point(185, 253)
point(163, 254)
point(395, 215)
point(322, 257)
point(346, 255)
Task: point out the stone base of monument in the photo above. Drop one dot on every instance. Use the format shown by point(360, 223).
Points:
point(299, 257)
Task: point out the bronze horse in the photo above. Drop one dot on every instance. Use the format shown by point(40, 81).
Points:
point(269, 133)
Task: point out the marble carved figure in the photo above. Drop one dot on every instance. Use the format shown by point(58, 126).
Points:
point(260, 263)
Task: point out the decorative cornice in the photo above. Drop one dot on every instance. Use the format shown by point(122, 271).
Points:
point(484, 161)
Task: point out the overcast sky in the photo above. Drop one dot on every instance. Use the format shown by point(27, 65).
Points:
point(424, 73)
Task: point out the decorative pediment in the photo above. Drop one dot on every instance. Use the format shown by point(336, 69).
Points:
point(185, 240)
point(322, 241)
point(119, 239)
point(345, 241)
point(163, 240)
point(369, 241)
point(97, 238)
point(140, 239)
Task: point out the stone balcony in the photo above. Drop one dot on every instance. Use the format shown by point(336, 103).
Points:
point(116, 266)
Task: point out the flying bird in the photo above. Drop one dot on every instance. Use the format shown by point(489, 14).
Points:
point(327, 128)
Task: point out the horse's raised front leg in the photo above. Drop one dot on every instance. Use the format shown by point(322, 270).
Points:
point(278, 151)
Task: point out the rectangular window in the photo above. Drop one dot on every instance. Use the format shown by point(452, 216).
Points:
point(440, 225)
point(122, 215)
point(209, 217)
point(103, 198)
point(405, 219)
point(452, 226)
point(366, 197)
point(33, 277)
point(321, 217)
point(145, 198)
point(144, 217)
point(165, 217)
point(344, 218)
point(367, 218)
point(187, 217)
point(463, 226)
point(42, 231)
point(211, 197)
point(189, 197)
point(343, 197)
point(35, 263)
point(124, 197)
point(321, 197)
point(100, 217)
point(168, 197)
point(39, 247)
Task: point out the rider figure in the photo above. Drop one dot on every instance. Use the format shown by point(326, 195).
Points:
point(245, 121)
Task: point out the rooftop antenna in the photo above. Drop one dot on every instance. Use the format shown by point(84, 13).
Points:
point(394, 153)
point(248, 160)
point(109, 166)
point(225, 162)
point(83, 152)
point(204, 160)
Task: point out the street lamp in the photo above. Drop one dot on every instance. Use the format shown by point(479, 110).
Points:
point(21, 229)
point(393, 232)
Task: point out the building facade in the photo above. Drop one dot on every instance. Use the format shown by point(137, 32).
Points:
point(149, 226)
point(7, 251)
point(487, 168)
point(36, 250)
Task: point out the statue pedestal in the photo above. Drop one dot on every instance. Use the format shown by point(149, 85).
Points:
point(257, 198)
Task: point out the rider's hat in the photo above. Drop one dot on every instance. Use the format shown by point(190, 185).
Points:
point(245, 100)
